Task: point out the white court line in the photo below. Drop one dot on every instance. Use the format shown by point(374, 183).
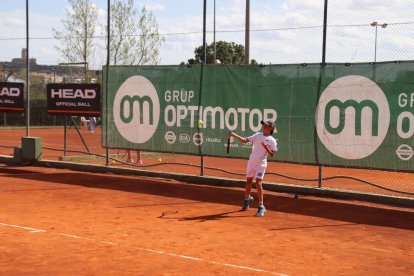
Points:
point(33, 230)
point(88, 239)
point(73, 236)
point(216, 263)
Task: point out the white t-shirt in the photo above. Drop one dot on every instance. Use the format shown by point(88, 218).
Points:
point(259, 154)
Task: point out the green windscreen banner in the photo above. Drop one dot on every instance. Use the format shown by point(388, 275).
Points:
point(358, 115)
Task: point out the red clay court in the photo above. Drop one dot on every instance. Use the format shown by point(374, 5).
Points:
point(63, 222)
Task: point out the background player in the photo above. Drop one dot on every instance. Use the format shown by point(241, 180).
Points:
point(130, 160)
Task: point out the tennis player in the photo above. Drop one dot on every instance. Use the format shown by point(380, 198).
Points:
point(263, 145)
point(92, 124)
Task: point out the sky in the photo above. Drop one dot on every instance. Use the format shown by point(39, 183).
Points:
point(282, 31)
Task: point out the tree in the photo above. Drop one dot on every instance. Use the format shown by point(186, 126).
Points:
point(75, 41)
point(226, 53)
point(126, 47)
point(37, 84)
point(37, 87)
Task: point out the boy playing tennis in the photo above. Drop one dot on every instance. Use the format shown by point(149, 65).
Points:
point(263, 144)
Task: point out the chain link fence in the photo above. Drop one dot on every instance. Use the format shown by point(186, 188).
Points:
point(281, 32)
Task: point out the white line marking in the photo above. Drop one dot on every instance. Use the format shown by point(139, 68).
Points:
point(154, 251)
point(38, 231)
point(88, 239)
point(71, 236)
point(212, 262)
point(185, 257)
point(33, 230)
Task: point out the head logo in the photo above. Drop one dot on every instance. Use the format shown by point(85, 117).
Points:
point(136, 109)
point(352, 117)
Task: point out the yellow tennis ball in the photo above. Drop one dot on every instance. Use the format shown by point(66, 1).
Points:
point(200, 122)
point(159, 159)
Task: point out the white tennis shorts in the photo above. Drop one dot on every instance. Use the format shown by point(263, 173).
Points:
point(256, 170)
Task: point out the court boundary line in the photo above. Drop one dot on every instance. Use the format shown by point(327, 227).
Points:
point(35, 230)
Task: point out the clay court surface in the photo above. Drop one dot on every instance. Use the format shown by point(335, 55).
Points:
point(62, 222)
point(53, 145)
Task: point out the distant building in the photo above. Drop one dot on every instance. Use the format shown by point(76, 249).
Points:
point(51, 73)
point(22, 60)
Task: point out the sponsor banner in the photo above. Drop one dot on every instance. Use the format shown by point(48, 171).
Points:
point(157, 109)
point(364, 117)
point(11, 97)
point(359, 115)
point(74, 99)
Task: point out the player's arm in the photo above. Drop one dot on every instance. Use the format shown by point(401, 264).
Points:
point(238, 137)
point(268, 150)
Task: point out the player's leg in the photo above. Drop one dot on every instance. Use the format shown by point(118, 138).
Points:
point(139, 160)
point(129, 160)
point(259, 188)
point(247, 197)
point(261, 210)
point(259, 177)
point(248, 188)
point(250, 172)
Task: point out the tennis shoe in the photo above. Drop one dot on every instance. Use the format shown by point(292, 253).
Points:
point(138, 162)
point(246, 203)
point(261, 211)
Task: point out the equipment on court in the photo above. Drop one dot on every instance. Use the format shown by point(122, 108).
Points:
point(200, 123)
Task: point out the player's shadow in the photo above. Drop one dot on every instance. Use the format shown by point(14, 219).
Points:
point(225, 215)
point(211, 217)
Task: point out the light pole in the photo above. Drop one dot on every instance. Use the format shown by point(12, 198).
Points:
point(375, 24)
point(214, 35)
point(247, 35)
